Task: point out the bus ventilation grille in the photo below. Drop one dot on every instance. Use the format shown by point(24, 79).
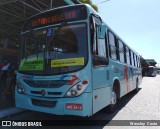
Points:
point(46, 83)
point(44, 103)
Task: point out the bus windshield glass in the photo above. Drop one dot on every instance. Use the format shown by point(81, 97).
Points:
point(54, 50)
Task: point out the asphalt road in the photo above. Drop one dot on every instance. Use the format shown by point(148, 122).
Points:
point(141, 109)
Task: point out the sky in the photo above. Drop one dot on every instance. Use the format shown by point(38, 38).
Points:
point(137, 22)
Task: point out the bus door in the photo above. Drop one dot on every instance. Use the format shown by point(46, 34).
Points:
point(100, 69)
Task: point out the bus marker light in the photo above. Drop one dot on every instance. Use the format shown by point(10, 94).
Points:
point(85, 82)
point(73, 106)
point(79, 87)
point(73, 92)
point(20, 88)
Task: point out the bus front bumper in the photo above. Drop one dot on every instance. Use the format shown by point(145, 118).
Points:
point(79, 106)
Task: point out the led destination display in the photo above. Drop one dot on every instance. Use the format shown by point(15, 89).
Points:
point(67, 14)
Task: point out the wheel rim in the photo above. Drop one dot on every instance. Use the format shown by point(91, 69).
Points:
point(114, 98)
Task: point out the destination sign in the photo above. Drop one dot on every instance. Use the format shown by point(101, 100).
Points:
point(67, 14)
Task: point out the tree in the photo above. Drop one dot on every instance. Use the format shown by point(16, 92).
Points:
point(90, 3)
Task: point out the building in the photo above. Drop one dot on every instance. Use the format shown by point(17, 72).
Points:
point(13, 14)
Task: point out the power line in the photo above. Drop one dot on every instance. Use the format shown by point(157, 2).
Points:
point(103, 1)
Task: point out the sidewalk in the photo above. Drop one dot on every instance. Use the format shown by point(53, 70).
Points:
point(7, 105)
point(10, 111)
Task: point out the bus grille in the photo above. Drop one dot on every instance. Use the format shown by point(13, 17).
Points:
point(49, 93)
point(46, 83)
point(44, 103)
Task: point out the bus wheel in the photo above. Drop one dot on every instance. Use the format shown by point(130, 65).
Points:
point(114, 100)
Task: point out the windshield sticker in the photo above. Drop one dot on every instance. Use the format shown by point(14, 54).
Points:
point(32, 64)
point(67, 62)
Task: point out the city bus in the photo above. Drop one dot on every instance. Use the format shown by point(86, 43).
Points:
point(151, 71)
point(72, 63)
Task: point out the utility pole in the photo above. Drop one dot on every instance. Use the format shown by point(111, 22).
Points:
point(51, 4)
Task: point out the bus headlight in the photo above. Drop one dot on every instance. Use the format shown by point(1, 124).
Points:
point(20, 88)
point(77, 89)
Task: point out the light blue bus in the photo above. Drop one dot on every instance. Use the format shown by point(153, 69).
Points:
point(72, 63)
point(151, 71)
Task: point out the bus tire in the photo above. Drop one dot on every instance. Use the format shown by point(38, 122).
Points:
point(137, 88)
point(115, 97)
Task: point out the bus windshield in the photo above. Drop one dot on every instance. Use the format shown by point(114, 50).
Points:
point(54, 50)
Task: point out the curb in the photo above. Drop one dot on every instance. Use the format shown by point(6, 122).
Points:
point(10, 111)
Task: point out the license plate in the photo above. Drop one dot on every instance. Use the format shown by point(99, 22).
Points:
point(72, 106)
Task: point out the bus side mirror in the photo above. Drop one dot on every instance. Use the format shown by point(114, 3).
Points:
point(102, 31)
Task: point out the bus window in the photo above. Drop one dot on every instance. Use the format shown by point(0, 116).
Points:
point(139, 62)
point(30, 46)
point(99, 50)
point(98, 43)
point(64, 40)
point(102, 47)
point(130, 58)
point(121, 51)
point(112, 47)
point(135, 59)
point(127, 56)
point(124, 50)
point(65, 43)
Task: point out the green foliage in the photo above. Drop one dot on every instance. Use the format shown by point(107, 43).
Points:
point(90, 3)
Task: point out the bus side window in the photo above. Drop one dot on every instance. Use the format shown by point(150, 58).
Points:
point(127, 55)
point(138, 62)
point(124, 51)
point(112, 46)
point(134, 59)
point(95, 44)
point(130, 57)
point(101, 47)
point(121, 51)
point(99, 50)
